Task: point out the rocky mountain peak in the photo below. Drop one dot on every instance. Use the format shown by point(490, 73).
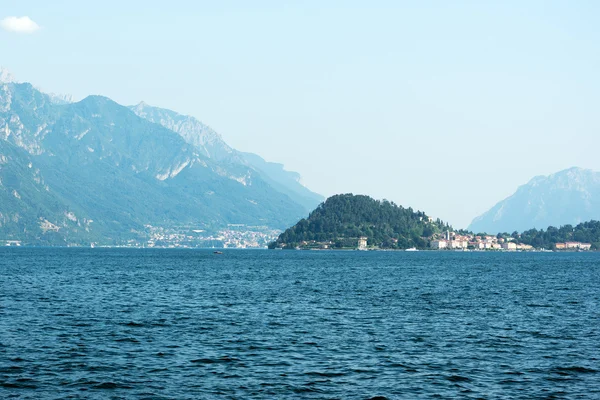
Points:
point(58, 98)
point(569, 196)
point(6, 76)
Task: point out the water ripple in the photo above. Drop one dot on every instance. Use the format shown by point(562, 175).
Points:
point(148, 324)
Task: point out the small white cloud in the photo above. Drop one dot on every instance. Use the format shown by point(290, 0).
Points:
point(19, 24)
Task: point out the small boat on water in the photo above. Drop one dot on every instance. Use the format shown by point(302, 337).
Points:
point(412, 249)
point(217, 252)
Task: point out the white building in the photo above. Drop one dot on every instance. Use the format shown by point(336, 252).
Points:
point(526, 247)
point(510, 246)
point(438, 244)
point(458, 244)
point(362, 243)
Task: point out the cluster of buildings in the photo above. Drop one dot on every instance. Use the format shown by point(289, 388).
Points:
point(452, 241)
point(573, 246)
point(10, 243)
point(241, 237)
point(234, 236)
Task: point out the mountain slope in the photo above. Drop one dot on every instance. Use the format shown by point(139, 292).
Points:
point(566, 197)
point(29, 209)
point(121, 171)
point(287, 182)
point(210, 144)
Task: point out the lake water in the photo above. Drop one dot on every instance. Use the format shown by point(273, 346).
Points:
point(187, 324)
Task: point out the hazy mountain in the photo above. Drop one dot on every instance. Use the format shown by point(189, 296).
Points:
point(6, 76)
point(194, 132)
point(68, 164)
point(287, 182)
point(566, 197)
point(61, 98)
point(210, 144)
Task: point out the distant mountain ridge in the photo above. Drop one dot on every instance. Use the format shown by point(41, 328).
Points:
point(212, 145)
point(569, 197)
point(194, 132)
point(6, 76)
point(94, 171)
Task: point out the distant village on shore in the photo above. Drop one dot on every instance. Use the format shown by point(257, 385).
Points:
point(458, 242)
point(453, 241)
point(468, 242)
point(241, 237)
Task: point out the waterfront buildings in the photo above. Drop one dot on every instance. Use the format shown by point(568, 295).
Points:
point(453, 241)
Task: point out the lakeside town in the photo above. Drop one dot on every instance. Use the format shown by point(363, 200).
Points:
point(240, 236)
point(237, 236)
point(453, 241)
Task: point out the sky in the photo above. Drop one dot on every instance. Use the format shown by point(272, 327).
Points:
point(443, 106)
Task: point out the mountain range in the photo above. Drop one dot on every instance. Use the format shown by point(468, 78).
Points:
point(97, 171)
point(567, 197)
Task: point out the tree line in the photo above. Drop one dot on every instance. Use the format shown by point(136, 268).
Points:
point(585, 232)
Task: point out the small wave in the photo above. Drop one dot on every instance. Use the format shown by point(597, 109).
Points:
point(307, 389)
point(508, 382)
point(574, 370)
point(458, 378)
point(364, 371)
point(325, 374)
point(12, 369)
point(134, 324)
point(80, 382)
point(156, 370)
point(538, 334)
point(19, 384)
point(407, 368)
point(277, 364)
point(558, 379)
point(111, 385)
point(127, 339)
point(225, 359)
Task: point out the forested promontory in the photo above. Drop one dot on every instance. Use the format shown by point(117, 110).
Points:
point(343, 219)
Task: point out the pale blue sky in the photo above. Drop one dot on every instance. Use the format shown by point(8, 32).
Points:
point(445, 106)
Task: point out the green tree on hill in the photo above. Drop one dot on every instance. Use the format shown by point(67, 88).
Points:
point(343, 218)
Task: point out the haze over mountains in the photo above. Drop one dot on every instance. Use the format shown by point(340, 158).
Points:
point(95, 170)
point(570, 197)
point(212, 145)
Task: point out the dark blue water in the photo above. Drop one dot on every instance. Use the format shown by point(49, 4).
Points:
point(177, 324)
